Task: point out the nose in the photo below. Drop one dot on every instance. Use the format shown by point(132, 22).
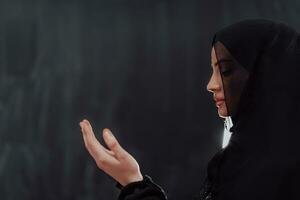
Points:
point(213, 85)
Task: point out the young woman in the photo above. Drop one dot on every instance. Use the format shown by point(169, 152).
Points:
point(255, 83)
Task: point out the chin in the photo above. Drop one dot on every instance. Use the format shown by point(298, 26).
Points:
point(222, 113)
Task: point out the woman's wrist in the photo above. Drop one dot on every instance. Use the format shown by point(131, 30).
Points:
point(136, 178)
point(133, 179)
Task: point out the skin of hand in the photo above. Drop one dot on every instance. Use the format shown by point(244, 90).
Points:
point(114, 161)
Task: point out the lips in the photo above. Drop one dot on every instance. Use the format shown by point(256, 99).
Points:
point(219, 101)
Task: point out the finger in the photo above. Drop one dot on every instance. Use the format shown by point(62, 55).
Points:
point(113, 143)
point(93, 146)
point(86, 122)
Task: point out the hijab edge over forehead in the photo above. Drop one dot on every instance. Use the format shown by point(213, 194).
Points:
point(246, 39)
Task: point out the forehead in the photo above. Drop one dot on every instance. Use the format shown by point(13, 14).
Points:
point(219, 51)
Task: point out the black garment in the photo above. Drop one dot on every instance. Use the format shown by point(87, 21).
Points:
point(262, 159)
point(148, 190)
point(142, 190)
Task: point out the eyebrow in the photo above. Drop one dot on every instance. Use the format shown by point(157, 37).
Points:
point(223, 60)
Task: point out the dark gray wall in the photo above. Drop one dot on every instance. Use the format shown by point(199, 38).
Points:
point(139, 67)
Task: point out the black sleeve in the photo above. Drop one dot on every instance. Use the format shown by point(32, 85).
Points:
point(142, 190)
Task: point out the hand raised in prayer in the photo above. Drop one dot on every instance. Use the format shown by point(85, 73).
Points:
point(114, 161)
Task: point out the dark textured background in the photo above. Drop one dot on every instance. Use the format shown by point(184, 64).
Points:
point(139, 67)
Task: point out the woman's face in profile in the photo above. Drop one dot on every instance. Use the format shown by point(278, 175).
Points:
point(215, 85)
point(227, 80)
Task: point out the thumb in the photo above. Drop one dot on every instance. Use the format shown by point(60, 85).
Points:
point(112, 143)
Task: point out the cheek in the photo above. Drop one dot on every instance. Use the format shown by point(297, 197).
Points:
point(230, 92)
point(233, 90)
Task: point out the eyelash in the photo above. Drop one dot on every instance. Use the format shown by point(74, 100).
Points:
point(226, 72)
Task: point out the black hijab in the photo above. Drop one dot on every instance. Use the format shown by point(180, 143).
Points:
point(262, 159)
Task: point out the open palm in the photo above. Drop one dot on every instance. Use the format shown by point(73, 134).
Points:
point(114, 161)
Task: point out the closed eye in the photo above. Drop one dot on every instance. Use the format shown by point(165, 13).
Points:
point(226, 72)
